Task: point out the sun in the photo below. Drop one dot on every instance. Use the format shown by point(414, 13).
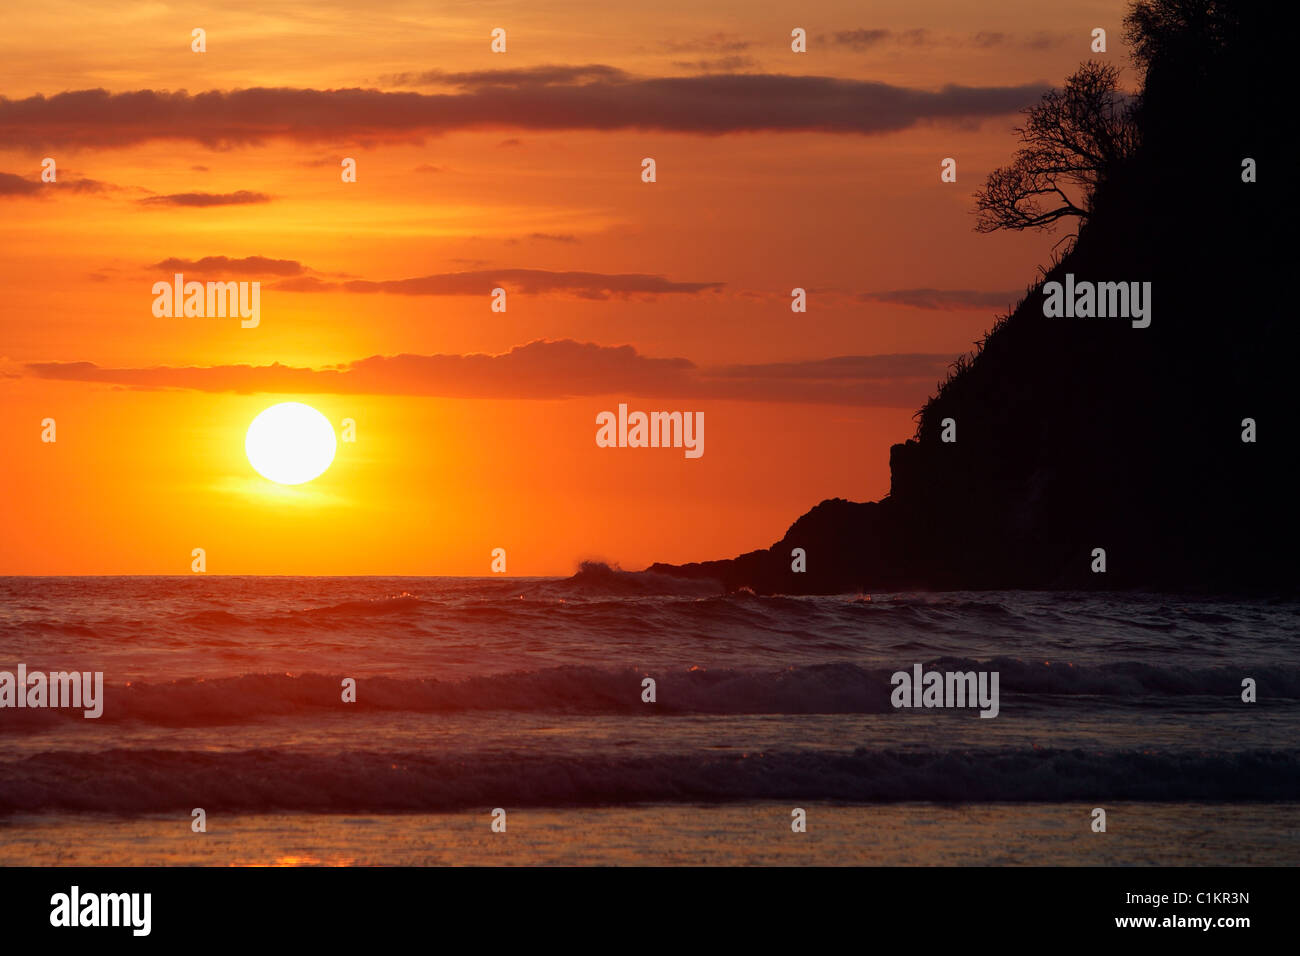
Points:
point(290, 443)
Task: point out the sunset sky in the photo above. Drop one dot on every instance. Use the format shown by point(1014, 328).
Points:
point(476, 169)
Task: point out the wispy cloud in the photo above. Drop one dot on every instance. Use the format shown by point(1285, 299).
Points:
point(712, 43)
point(720, 64)
point(867, 39)
point(944, 298)
point(587, 285)
point(864, 39)
point(241, 198)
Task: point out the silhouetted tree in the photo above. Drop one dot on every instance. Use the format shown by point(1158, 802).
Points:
point(1209, 65)
point(1191, 33)
point(1074, 140)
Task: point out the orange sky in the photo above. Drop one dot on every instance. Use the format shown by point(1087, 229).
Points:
point(774, 170)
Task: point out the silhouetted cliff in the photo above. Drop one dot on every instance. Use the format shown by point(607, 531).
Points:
point(1074, 434)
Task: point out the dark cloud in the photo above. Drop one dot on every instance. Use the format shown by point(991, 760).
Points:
point(944, 298)
point(241, 198)
point(587, 285)
point(12, 185)
point(516, 99)
point(224, 265)
point(552, 370)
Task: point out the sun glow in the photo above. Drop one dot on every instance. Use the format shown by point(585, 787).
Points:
point(290, 443)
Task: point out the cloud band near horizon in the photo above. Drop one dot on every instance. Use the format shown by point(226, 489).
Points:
point(545, 369)
point(539, 99)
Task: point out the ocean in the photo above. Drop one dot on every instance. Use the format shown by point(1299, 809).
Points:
point(527, 696)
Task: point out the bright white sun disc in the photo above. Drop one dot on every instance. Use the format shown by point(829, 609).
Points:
point(290, 443)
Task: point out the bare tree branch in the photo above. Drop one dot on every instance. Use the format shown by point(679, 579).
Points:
point(1073, 140)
